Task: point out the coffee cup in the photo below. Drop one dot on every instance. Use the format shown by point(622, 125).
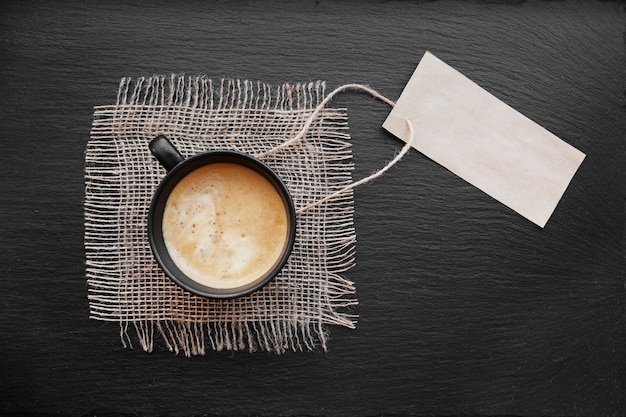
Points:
point(221, 224)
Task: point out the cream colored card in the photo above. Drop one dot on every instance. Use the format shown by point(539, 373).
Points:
point(484, 141)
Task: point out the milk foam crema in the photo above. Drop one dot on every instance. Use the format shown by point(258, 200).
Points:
point(225, 225)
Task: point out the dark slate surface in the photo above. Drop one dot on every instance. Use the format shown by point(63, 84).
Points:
point(465, 307)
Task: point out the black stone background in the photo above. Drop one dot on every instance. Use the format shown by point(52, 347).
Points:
point(466, 308)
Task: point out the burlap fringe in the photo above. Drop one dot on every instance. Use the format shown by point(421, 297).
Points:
point(205, 93)
point(190, 337)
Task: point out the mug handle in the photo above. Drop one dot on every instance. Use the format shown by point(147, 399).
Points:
point(165, 152)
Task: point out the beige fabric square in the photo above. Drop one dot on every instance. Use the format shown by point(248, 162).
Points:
point(125, 284)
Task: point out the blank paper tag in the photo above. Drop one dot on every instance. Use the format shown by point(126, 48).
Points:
point(484, 141)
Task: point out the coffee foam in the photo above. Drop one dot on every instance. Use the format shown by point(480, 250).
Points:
point(225, 225)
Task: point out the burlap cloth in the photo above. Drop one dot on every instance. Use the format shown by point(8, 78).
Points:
point(125, 283)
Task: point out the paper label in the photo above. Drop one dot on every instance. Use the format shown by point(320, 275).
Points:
point(483, 140)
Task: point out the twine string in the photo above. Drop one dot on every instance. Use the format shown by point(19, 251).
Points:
point(313, 117)
point(376, 174)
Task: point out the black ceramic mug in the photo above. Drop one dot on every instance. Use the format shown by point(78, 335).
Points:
point(221, 223)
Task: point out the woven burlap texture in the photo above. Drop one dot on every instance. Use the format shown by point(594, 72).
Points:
point(126, 285)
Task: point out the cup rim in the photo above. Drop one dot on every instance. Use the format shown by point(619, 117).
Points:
point(157, 206)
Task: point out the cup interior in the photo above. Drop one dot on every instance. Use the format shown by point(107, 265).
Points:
point(157, 208)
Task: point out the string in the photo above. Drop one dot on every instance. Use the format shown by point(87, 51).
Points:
point(316, 112)
point(377, 174)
